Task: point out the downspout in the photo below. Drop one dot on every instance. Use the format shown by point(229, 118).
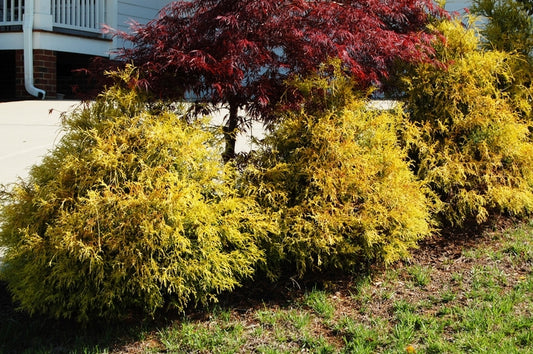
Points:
point(27, 30)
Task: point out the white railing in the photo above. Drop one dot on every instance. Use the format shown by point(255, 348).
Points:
point(11, 12)
point(81, 15)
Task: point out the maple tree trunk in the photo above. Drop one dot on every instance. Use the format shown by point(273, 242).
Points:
point(240, 55)
point(230, 132)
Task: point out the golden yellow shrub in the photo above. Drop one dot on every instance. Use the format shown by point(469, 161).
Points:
point(134, 209)
point(473, 144)
point(336, 177)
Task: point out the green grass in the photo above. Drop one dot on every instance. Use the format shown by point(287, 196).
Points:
point(320, 303)
point(421, 276)
point(477, 299)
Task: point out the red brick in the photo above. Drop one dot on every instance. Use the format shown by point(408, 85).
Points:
point(44, 63)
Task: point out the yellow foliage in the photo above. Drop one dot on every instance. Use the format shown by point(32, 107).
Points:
point(473, 143)
point(339, 182)
point(133, 209)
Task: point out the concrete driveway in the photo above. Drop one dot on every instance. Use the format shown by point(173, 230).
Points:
point(28, 129)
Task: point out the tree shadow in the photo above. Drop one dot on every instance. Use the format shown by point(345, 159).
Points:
point(22, 333)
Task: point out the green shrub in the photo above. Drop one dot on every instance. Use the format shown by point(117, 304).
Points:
point(133, 209)
point(473, 146)
point(338, 181)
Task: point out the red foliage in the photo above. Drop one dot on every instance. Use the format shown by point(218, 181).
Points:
point(239, 52)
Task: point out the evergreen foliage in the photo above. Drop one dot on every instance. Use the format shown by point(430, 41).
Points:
point(334, 174)
point(473, 146)
point(508, 24)
point(134, 209)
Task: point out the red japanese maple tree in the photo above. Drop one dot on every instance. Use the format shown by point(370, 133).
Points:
point(240, 52)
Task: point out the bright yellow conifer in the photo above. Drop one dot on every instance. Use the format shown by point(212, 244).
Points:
point(473, 146)
point(134, 209)
point(339, 181)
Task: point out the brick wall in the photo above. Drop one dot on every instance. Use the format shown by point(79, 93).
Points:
point(44, 72)
point(7, 75)
point(19, 68)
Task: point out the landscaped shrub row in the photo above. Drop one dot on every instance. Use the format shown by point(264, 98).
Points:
point(338, 181)
point(135, 209)
point(473, 144)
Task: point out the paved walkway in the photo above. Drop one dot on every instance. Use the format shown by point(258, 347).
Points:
point(28, 129)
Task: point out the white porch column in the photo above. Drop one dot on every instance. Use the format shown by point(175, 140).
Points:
point(43, 15)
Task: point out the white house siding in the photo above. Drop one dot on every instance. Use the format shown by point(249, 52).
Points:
point(143, 11)
point(140, 11)
point(457, 5)
point(120, 13)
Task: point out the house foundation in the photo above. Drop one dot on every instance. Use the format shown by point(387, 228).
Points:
point(7, 75)
point(53, 71)
point(44, 73)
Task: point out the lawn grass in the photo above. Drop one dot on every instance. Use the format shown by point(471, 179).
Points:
point(466, 294)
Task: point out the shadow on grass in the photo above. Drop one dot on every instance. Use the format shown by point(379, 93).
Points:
point(21, 333)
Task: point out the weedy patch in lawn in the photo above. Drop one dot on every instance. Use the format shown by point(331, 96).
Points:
point(421, 276)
